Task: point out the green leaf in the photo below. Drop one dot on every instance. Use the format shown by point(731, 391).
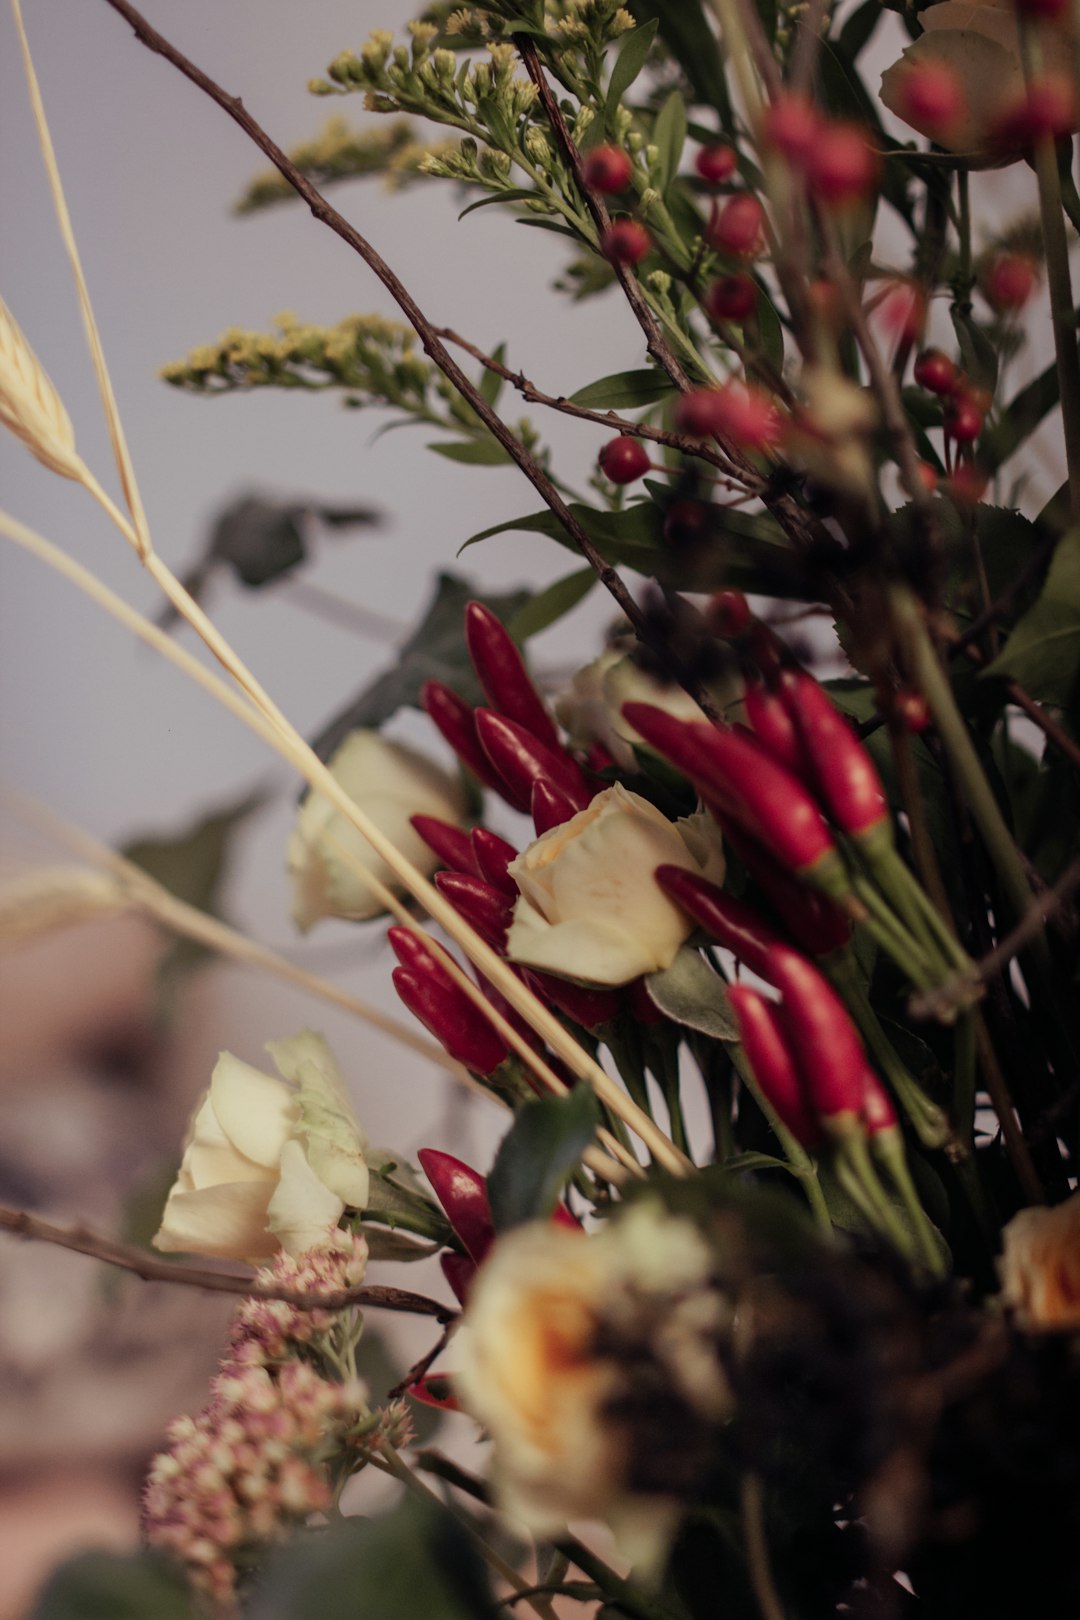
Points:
point(669, 136)
point(549, 605)
point(472, 452)
point(859, 28)
point(628, 64)
point(1043, 651)
point(624, 389)
point(771, 330)
point(538, 1154)
point(977, 352)
point(491, 384)
point(110, 1586)
point(1021, 416)
point(435, 650)
point(416, 1561)
point(510, 195)
point(685, 31)
point(690, 993)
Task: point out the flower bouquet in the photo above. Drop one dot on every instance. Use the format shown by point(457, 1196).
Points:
point(759, 930)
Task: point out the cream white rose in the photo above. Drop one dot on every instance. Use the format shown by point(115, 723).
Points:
point(1040, 1266)
point(540, 1365)
point(589, 908)
point(390, 782)
point(590, 709)
point(268, 1162)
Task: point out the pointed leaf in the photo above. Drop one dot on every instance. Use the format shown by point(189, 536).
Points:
point(628, 64)
point(1043, 651)
point(690, 993)
point(538, 1154)
point(669, 136)
point(624, 389)
point(551, 604)
point(472, 452)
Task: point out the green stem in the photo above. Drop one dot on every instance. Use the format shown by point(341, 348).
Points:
point(857, 1175)
point(888, 1147)
point(752, 1501)
point(964, 1086)
point(800, 1160)
point(932, 681)
point(920, 912)
point(894, 938)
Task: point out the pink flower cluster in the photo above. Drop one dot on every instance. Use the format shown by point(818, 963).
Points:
point(258, 1461)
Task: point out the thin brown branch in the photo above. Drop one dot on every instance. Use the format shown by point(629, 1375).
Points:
point(956, 990)
point(127, 1257)
point(419, 1368)
point(1054, 734)
point(328, 215)
point(609, 419)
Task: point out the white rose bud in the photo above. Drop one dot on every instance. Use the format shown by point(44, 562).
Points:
point(268, 1162)
point(390, 783)
point(590, 709)
point(588, 908)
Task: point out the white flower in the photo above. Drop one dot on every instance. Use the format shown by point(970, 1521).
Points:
point(590, 709)
point(554, 1330)
point(589, 908)
point(267, 1161)
point(1040, 1266)
point(390, 783)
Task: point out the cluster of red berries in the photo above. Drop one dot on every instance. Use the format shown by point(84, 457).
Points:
point(965, 405)
point(834, 156)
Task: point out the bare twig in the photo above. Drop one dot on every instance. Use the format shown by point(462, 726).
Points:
point(419, 1368)
point(956, 990)
point(142, 1264)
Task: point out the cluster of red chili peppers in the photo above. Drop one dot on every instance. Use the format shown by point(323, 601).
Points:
point(802, 806)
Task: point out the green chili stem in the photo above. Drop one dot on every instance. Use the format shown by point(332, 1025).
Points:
point(796, 1155)
point(893, 937)
point(888, 1147)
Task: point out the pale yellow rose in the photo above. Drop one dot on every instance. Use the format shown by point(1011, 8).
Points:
point(1040, 1266)
point(590, 710)
point(540, 1365)
point(589, 908)
point(390, 783)
point(979, 40)
point(268, 1162)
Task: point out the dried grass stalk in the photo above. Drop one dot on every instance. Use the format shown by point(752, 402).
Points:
point(53, 897)
point(30, 405)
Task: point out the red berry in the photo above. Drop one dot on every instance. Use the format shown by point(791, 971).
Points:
point(727, 614)
point(902, 311)
point(687, 523)
point(732, 298)
point(626, 242)
point(608, 169)
point(747, 416)
point(825, 302)
point(1009, 281)
point(935, 372)
point(624, 459)
point(963, 421)
point(928, 477)
point(968, 484)
point(697, 413)
point(931, 97)
point(715, 164)
point(911, 710)
point(736, 228)
point(791, 125)
point(841, 166)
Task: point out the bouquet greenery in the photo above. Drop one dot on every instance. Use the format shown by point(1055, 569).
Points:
point(776, 1272)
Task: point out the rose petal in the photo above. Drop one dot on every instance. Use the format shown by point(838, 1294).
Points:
point(227, 1222)
point(256, 1112)
point(302, 1209)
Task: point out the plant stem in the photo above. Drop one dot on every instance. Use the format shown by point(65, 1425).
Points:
point(752, 1498)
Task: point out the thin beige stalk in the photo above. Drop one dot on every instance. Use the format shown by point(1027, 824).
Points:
point(29, 404)
point(112, 414)
point(289, 743)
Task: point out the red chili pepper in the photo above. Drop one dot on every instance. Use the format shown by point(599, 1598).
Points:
point(828, 1051)
point(491, 857)
point(589, 1008)
point(736, 926)
point(451, 844)
point(775, 729)
point(550, 808)
point(434, 1389)
point(447, 1012)
point(521, 759)
point(643, 1008)
point(738, 776)
point(765, 1043)
point(766, 651)
point(502, 673)
point(846, 776)
point(480, 903)
point(512, 1016)
point(462, 1192)
point(565, 1217)
point(816, 923)
point(878, 1111)
point(459, 1271)
point(456, 719)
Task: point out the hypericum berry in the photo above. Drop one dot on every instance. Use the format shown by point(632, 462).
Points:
point(963, 421)
point(968, 484)
point(841, 166)
point(626, 241)
point(736, 228)
point(747, 416)
point(935, 372)
point(790, 126)
point(608, 169)
point(727, 614)
point(931, 97)
point(732, 298)
point(911, 710)
point(928, 477)
point(825, 302)
point(686, 523)
point(697, 413)
point(624, 459)
point(1008, 281)
point(716, 164)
